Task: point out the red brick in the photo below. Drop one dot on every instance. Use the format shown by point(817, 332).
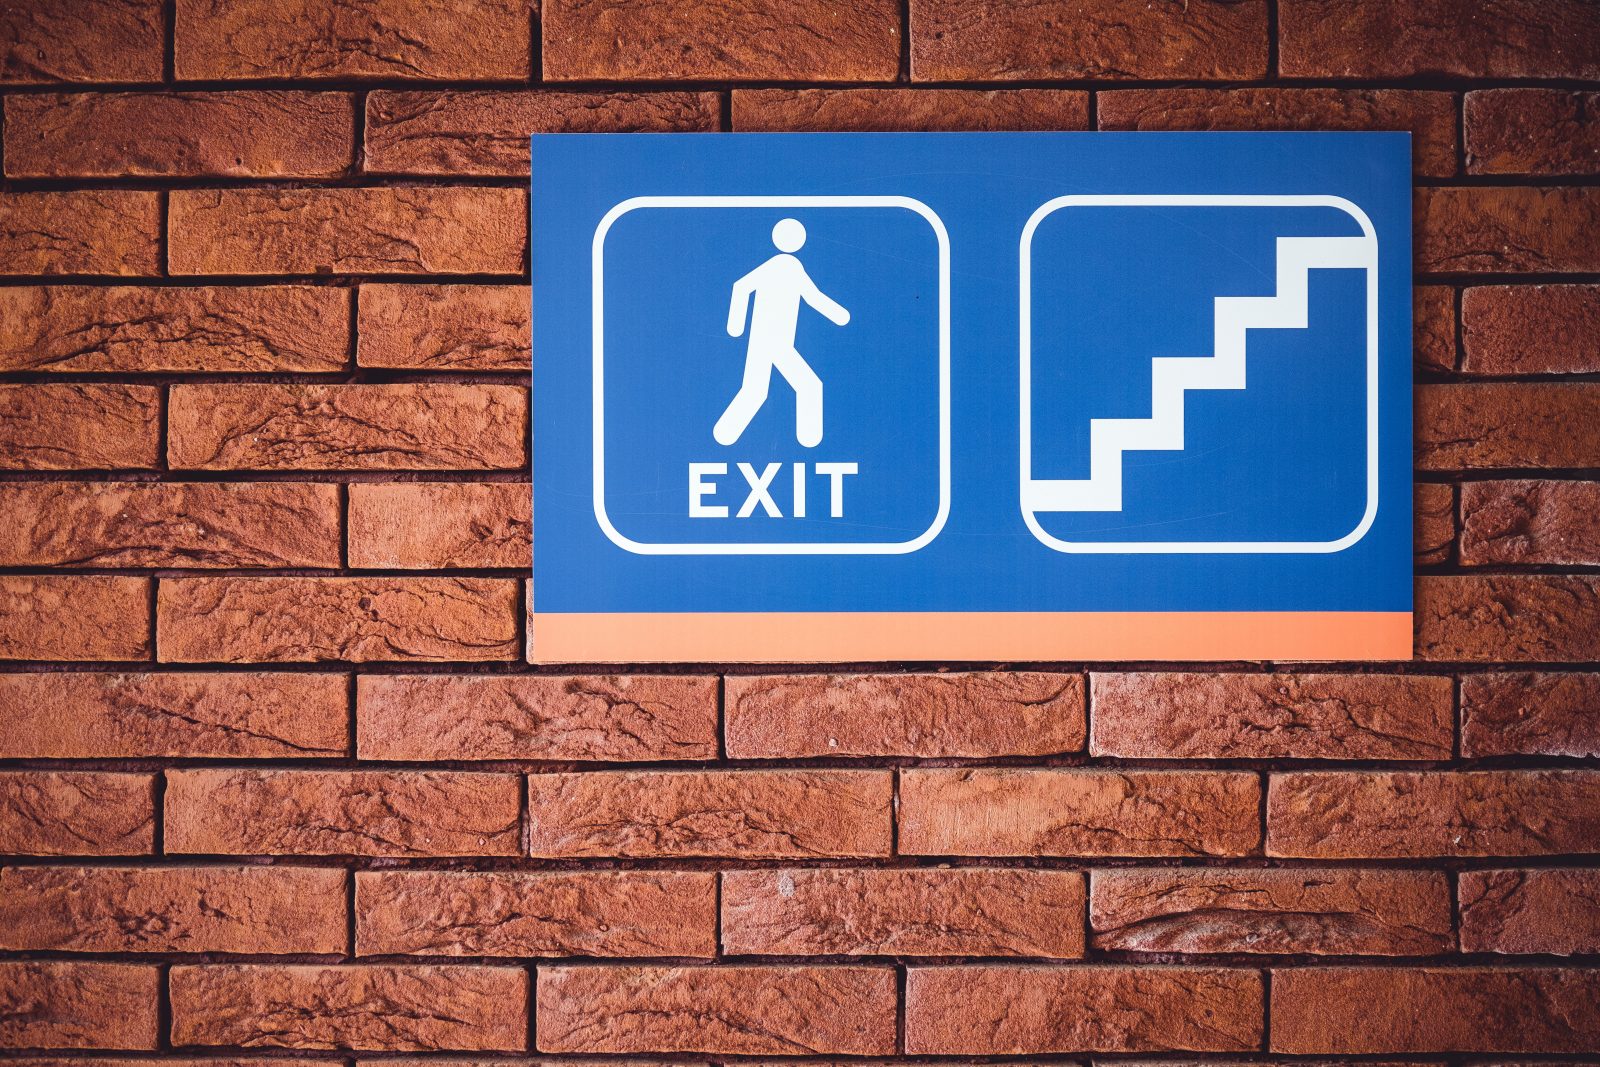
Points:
point(702, 40)
point(81, 328)
point(200, 715)
point(309, 39)
point(928, 715)
point(1531, 329)
point(172, 909)
point(1530, 911)
point(74, 617)
point(1488, 425)
point(1027, 812)
point(238, 135)
point(744, 814)
point(44, 41)
point(413, 426)
point(78, 1005)
point(426, 526)
point(1530, 522)
point(1272, 716)
point(445, 327)
point(1508, 618)
point(485, 132)
point(847, 1011)
point(557, 913)
point(376, 1008)
point(1434, 512)
point(1355, 1010)
point(89, 231)
point(1498, 229)
point(1455, 38)
point(1532, 131)
point(76, 813)
point(504, 717)
point(910, 109)
point(357, 620)
point(1430, 117)
point(995, 40)
point(1433, 323)
point(79, 427)
point(146, 524)
point(341, 813)
point(1306, 910)
point(1001, 1009)
point(1384, 814)
point(348, 231)
point(1530, 714)
point(970, 911)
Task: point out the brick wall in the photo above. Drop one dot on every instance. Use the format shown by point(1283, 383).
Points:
point(277, 779)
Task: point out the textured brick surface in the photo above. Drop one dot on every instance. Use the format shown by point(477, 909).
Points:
point(79, 427)
point(908, 109)
point(61, 617)
point(1530, 522)
point(76, 813)
point(1433, 320)
point(1530, 714)
point(445, 327)
point(1532, 131)
point(1531, 329)
point(1433, 510)
point(1530, 911)
point(77, 1005)
point(1508, 618)
point(1488, 425)
point(421, 526)
point(44, 41)
point(103, 231)
point(1490, 229)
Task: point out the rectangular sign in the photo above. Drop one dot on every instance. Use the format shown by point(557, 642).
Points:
point(849, 397)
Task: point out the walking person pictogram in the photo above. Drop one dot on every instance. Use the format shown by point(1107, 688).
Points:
point(777, 287)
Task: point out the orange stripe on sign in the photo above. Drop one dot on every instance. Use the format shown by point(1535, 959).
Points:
point(846, 637)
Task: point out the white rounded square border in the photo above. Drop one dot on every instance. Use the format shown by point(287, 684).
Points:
point(836, 548)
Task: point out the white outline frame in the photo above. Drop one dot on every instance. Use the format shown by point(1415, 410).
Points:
point(835, 548)
point(1025, 251)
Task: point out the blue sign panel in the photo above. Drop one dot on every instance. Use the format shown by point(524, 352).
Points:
point(971, 396)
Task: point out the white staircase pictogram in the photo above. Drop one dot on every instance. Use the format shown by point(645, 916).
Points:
point(1173, 377)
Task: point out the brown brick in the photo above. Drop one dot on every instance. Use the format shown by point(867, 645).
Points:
point(377, 1008)
point(1384, 814)
point(701, 40)
point(1532, 131)
point(1487, 425)
point(485, 132)
point(1498, 229)
point(79, 427)
point(1457, 38)
point(74, 617)
point(1353, 1010)
point(1307, 910)
point(78, 1005)
point(82, 328)
point(1007, 1009)
point(358, 620)
point(309, 39)
point(910, 109)
point(425, 526)
point(521, 717)
point(172, 909)
point(1530, 714)
point(76, 813)
point(207, 716)
point(1508, 618)
point(1531, 329)
point(758, 1011)
point(1434, 512)
point(1530, 911)
point(962, 40)
point(413, 426)
point(516, 913)
point(145, 524)
point(744, 814)
point(1433, 323)
point(1272, 716)
point(969, 911)
point(89, 231)
point(44, 41)
point(348, 231)
point(240, 135)
point(445, 327)
point(946, 812)
point(1530, 522)
point(1428, 116)
point(929, 715)
point(341, 813)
